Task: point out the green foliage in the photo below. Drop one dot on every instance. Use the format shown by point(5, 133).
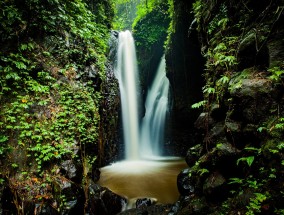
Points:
point(48, 109)
point(219, 22)
point(277, 74)
point(249, 160)
point(203, 171)
point(125, 13)
point(223, 55)
point(255, 203)
point(198, 104)
point(236, 181)
point(260, 129)
point(279, 124)
point(151, 23)
point(145, 7)
point(197, 10)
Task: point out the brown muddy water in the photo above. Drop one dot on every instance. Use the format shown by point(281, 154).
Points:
point(148, 178)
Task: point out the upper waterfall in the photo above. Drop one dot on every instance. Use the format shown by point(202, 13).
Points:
point(127, 75)
point(141, 140)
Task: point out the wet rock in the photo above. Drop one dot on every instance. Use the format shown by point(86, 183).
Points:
point(184, 185)
point(113, 43)
point(144, 202)
point(45, 209)
point(223, 157)
point(275, 47)
point(96, 173)
point(104, 202)
point(193, 154)
point(178, 206)
point(214, 187)
point(151, 210)
point(216, 133)
point(253, 97)
point(233, 126)
point(203, 121)
point(218, 112)
point(251, 87)
point(73, 201)
point(221, 152)
point(71, 170)
point(248, 55)
point(195, 206)
point(225, 150)
point(91, 72)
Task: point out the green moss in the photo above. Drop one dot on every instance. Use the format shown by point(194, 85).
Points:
point(49, 106)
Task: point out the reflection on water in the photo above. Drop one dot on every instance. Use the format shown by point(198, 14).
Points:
point(150, 178)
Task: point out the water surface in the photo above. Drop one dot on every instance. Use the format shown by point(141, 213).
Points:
point(146, 178)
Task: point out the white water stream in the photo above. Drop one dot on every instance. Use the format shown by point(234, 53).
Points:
point(127, 74)
point(153, 123)
point(140, 141)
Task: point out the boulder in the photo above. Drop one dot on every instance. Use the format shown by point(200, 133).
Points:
point(193, 154)
point(214, 187)
point(145, 202)
point(203, 121)
point(248, 55)
point(253, 96)
point(71, 170)
point(275, 47)
point(196, 206)
point(103, 201)
point(158, 209)
point(184, 185)
point(68, 196)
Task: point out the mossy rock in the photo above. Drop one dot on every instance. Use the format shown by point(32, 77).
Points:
point(249, 82)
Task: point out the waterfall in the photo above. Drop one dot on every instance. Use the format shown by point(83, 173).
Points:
point(140, 141)
point(126, 73)
point(153, 123)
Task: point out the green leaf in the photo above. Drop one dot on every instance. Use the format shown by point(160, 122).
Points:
point(260, 129)
point(20, 65)
point(198, 104)
point(249, 160)
point(3, 138)
point(235, 181)
point(203, 171)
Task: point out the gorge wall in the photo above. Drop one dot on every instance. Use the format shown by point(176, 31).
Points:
point(59, 105)
point(238, 167)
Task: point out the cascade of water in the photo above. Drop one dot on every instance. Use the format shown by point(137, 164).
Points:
point(153, 123)
point(145, 141)
point(126, 73)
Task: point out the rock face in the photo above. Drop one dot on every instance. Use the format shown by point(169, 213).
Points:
point(242, 121)
point(102, 201)
point(183, 183)
point(64, 197)
point(184, 70)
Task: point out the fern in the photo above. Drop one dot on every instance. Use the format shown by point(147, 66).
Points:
point(198, 104)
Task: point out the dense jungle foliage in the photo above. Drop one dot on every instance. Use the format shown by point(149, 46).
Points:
point(52, 75)
point(56, 108)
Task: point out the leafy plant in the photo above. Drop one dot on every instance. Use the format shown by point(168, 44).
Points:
point(249, 160)
point(203, 171)
point(198, 104)
point(255, 203)
point(276, 74)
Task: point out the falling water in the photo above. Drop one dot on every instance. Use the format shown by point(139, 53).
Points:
point(137, 177)
point(153, 124)
point(143, 142)
point(126, 73)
